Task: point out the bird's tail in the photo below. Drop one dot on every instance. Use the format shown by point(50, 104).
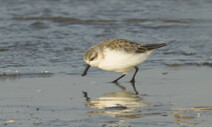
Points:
point(154, 46)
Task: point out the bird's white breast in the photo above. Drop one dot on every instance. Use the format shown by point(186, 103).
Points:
point(120, 61)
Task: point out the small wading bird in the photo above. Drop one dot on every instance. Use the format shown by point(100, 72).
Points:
point(118, 55)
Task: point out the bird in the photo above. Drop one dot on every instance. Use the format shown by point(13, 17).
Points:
point(118, 55)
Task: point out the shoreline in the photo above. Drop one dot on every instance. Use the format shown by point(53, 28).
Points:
point(174, 94)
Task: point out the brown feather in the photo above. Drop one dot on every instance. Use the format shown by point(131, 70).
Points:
point(128, 46)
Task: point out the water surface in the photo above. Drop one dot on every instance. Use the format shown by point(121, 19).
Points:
point(41, 49)
point(50, 36)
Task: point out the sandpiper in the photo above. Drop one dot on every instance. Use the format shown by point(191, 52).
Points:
point(118, 55)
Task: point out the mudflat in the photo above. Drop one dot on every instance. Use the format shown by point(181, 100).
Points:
point(41, 59)
point(159, 97)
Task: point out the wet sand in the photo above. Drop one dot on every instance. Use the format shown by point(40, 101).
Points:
point(41, 48)
point(161, 97)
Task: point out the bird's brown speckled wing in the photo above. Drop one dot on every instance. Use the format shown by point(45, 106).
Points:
point(154, 46)
point(129, 46)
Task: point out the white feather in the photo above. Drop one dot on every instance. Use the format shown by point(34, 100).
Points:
point(120, 61)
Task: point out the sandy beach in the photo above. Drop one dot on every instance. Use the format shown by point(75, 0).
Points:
point(161, 97)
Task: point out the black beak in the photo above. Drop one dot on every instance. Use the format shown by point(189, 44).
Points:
point(86, 70)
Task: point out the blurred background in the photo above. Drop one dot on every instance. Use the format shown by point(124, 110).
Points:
point(39, 37)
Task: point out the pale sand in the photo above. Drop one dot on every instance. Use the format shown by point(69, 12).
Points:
point(166, 97)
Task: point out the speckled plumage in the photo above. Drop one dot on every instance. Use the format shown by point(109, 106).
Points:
point(119, 55)
point(123, 45)
point(120, 45)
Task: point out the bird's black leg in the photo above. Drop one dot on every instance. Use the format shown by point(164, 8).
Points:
point(133, 78)
point(85, 94)
point(116, 80)
point(134, 88)
point(120, 86)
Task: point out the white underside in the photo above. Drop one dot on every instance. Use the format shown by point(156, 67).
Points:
point(120, 61)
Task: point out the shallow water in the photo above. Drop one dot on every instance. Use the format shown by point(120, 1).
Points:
point(42, 37)
point(175, 99)
point(41, 48)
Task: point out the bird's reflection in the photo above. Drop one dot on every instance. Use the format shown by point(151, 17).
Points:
point(118, 104)
point(123, 88)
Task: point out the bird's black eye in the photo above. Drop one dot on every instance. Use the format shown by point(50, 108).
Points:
point(92, 59)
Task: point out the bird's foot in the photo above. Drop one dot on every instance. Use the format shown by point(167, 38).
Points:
point(114, 81)
point(132, 80)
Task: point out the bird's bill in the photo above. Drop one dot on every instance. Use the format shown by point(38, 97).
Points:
point(86, 70)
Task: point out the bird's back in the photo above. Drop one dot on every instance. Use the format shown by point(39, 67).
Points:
point(128, 46)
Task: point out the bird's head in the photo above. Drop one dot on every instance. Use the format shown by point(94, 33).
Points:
point(91, 57)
